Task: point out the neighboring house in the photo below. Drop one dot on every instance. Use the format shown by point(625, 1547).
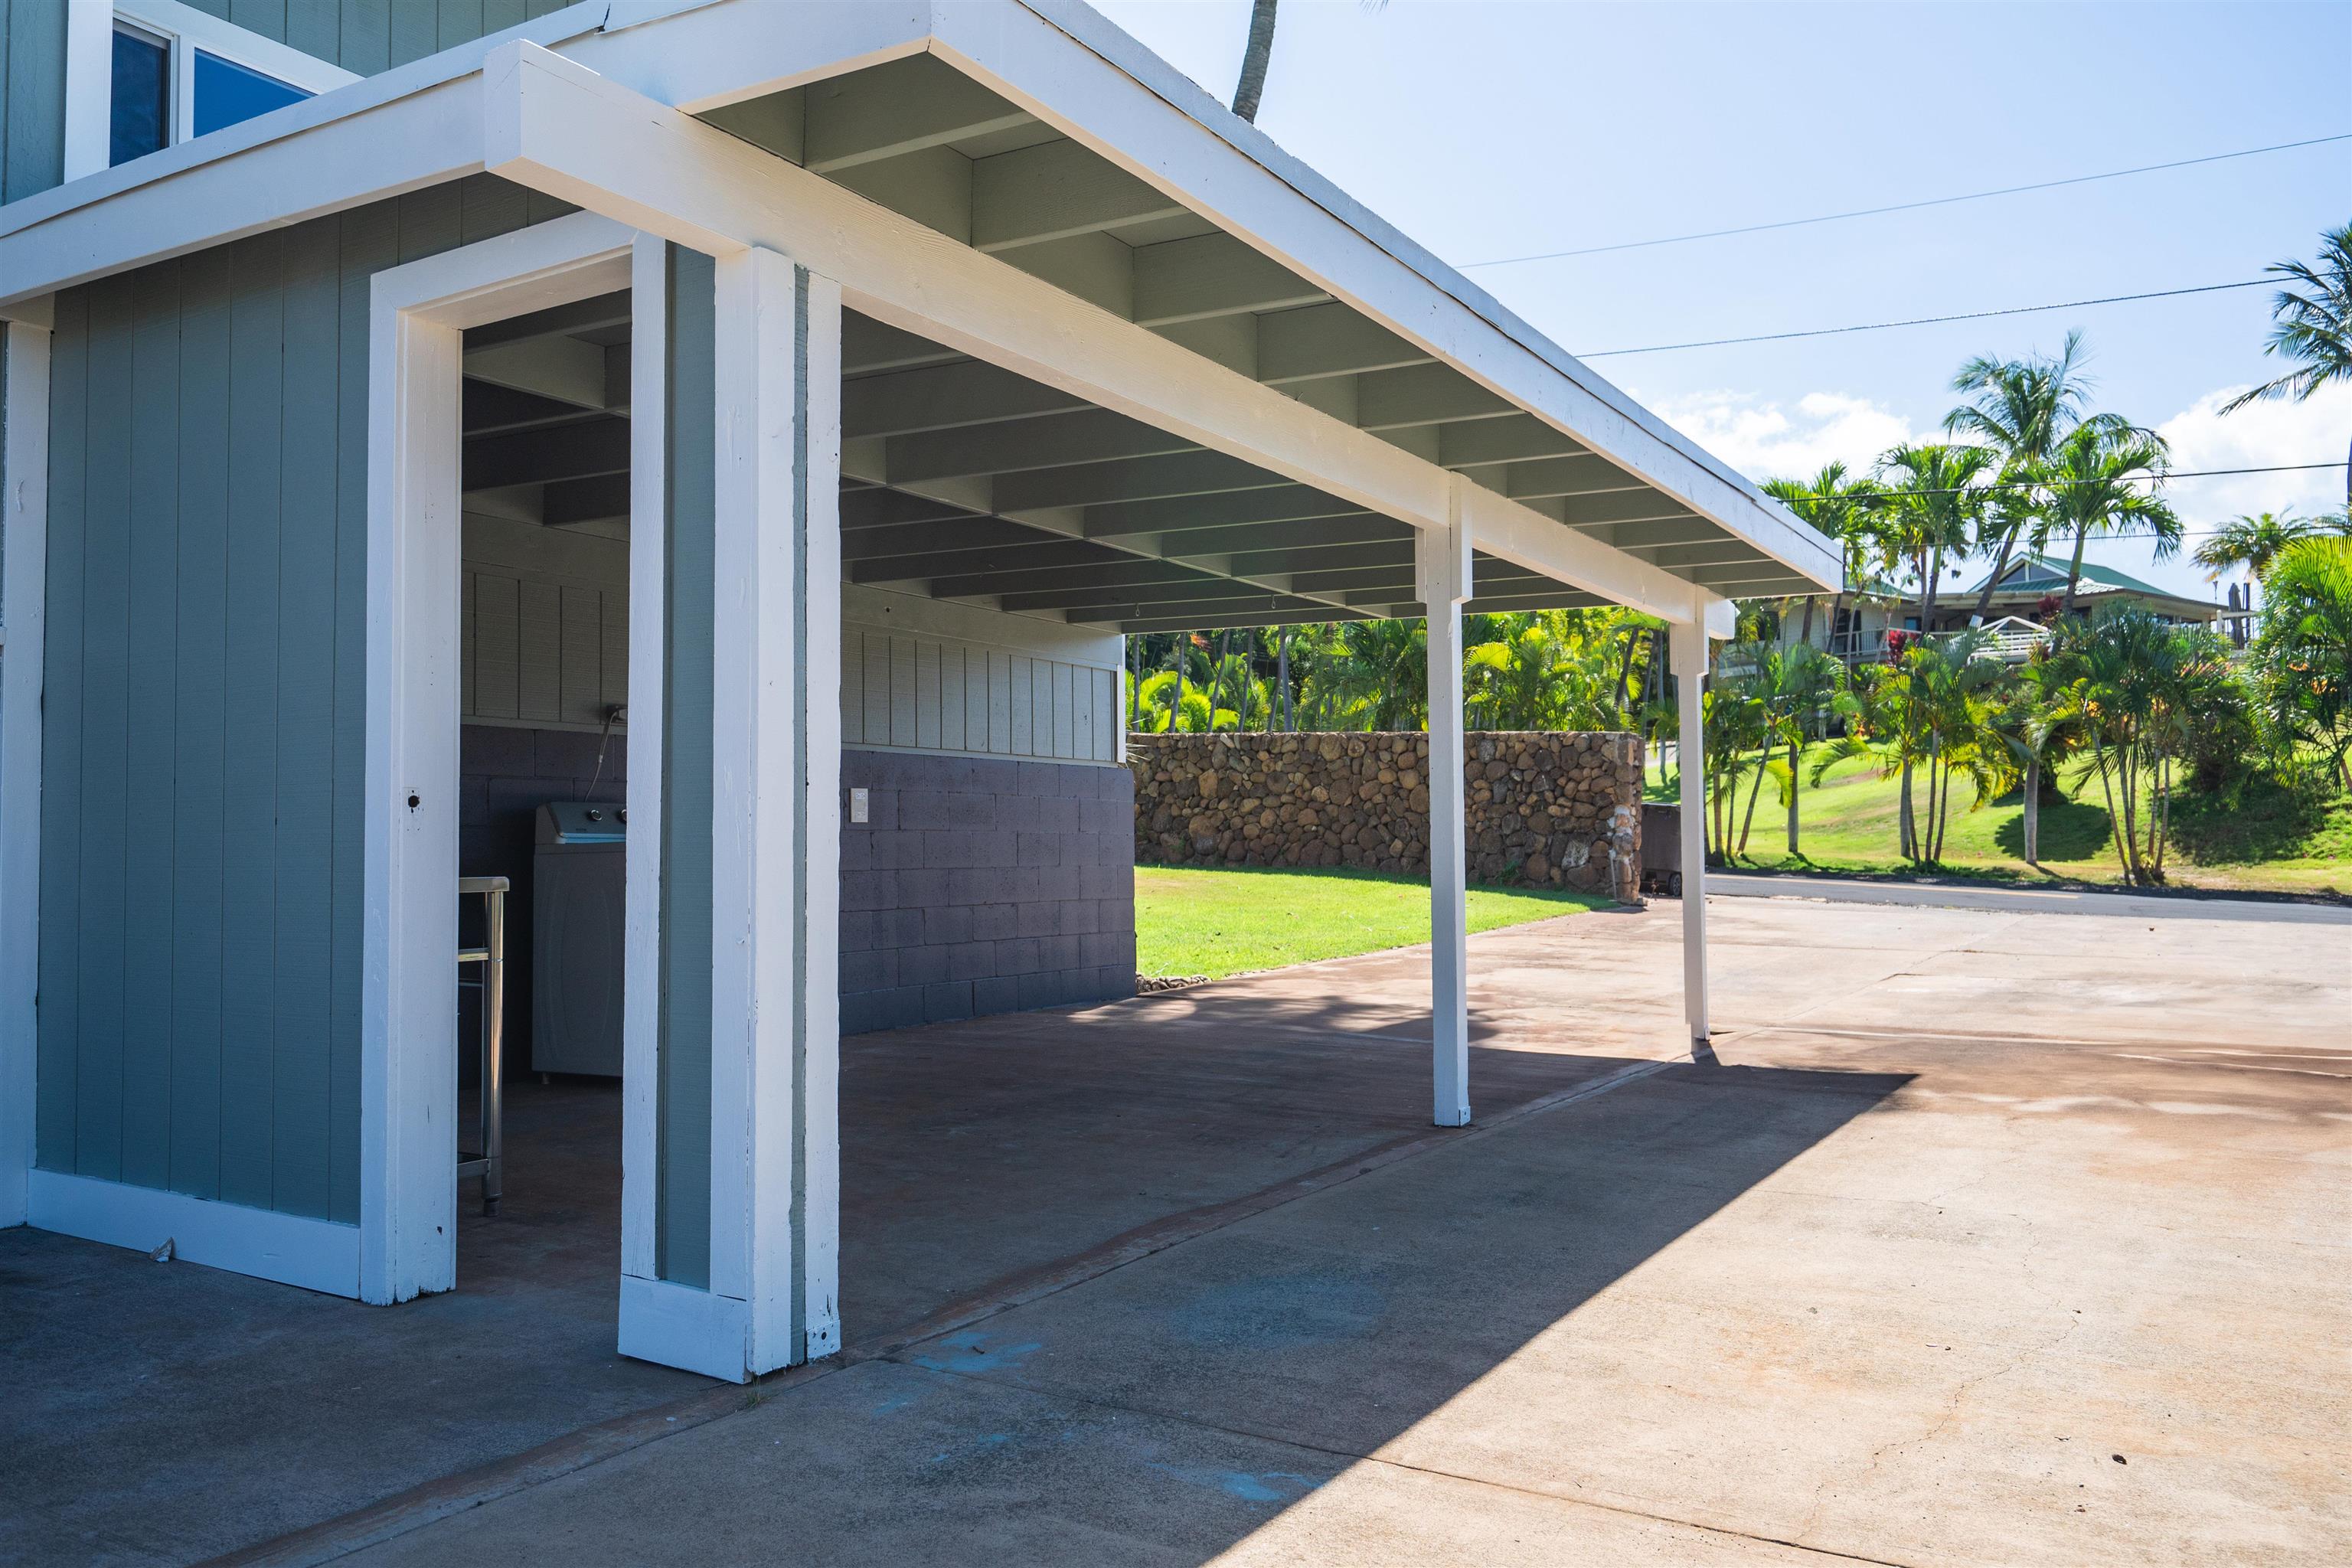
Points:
point(407, 404)
point(1860, 626)
point(1849, 625)
point(2031, 586)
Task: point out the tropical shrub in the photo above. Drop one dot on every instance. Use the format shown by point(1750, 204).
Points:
point(2302, 657)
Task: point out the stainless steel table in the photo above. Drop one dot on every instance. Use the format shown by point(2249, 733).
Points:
point(489, 1163)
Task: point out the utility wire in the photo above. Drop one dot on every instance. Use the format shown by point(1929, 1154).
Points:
point(2069, 484)
point(1932, 321)
point(1898, 206)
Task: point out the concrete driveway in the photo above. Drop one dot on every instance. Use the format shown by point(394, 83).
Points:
point(1990, 1237)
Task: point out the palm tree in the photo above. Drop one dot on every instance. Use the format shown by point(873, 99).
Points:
point(1933, 506)
point(2096, 481)
point(2021, 409)
point(2140, 688)
point(2253, 540)
point(1255, 56)
point(2313, 327)
point(1838, 507)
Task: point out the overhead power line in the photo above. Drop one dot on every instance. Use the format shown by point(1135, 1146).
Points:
point(2166, 478)
point(1900, 206)
point(1930, 321)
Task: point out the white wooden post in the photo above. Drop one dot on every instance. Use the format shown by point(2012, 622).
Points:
point(24, 571)
point(1442, 568)
point(775, 1202)
point(1690, 658)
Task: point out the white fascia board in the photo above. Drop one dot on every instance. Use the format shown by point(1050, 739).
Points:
point(1077, 72)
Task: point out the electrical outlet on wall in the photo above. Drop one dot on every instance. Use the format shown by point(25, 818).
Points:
point(857, 805)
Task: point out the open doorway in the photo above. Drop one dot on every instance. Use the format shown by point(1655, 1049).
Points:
point(499, 622)
point(542, 780)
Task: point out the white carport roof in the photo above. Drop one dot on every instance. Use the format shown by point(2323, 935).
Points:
point(1118, 358)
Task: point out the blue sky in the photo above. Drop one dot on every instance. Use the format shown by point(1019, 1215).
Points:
point(1490, 129)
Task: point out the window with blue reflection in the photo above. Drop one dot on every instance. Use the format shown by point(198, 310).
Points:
point(227, 92)
point(141, 119)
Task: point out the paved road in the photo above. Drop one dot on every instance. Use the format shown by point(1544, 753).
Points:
point(2039, 901)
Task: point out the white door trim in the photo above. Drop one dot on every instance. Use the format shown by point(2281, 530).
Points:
point(408, 1017)
point(641, 987)
point(24, 558)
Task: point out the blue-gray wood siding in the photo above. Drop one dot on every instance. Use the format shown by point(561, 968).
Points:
point(912, 693)
point(32, 96)
point(543, 626)
point(204, 708)
point(682, 1230)
point(364, 37)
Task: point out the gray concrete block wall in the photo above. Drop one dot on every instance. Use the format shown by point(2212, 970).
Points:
point(982, 885)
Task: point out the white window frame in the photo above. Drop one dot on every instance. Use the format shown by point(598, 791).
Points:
point(184, 29)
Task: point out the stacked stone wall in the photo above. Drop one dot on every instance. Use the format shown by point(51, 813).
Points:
point(1544, 808)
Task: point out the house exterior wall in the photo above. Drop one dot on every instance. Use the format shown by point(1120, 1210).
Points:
point(204, 708)
point(32, 96)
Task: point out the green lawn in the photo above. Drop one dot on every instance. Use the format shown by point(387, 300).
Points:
point(2268, 841)
point(1233, 919)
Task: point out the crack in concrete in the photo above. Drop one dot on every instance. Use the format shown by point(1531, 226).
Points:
point(1961, 1393)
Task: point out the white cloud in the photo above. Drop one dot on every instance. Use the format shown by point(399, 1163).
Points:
point(1766, 439)
point(2260, 435)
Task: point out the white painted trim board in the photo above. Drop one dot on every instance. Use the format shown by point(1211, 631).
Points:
point(293, 1249)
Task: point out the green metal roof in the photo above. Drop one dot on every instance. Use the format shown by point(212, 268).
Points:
point(2040, 574)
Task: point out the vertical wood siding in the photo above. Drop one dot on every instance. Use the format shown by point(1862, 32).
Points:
point(544, 626)
point(682, 1200)
point(907, 692)
point(204, 709)
point(32, 96)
